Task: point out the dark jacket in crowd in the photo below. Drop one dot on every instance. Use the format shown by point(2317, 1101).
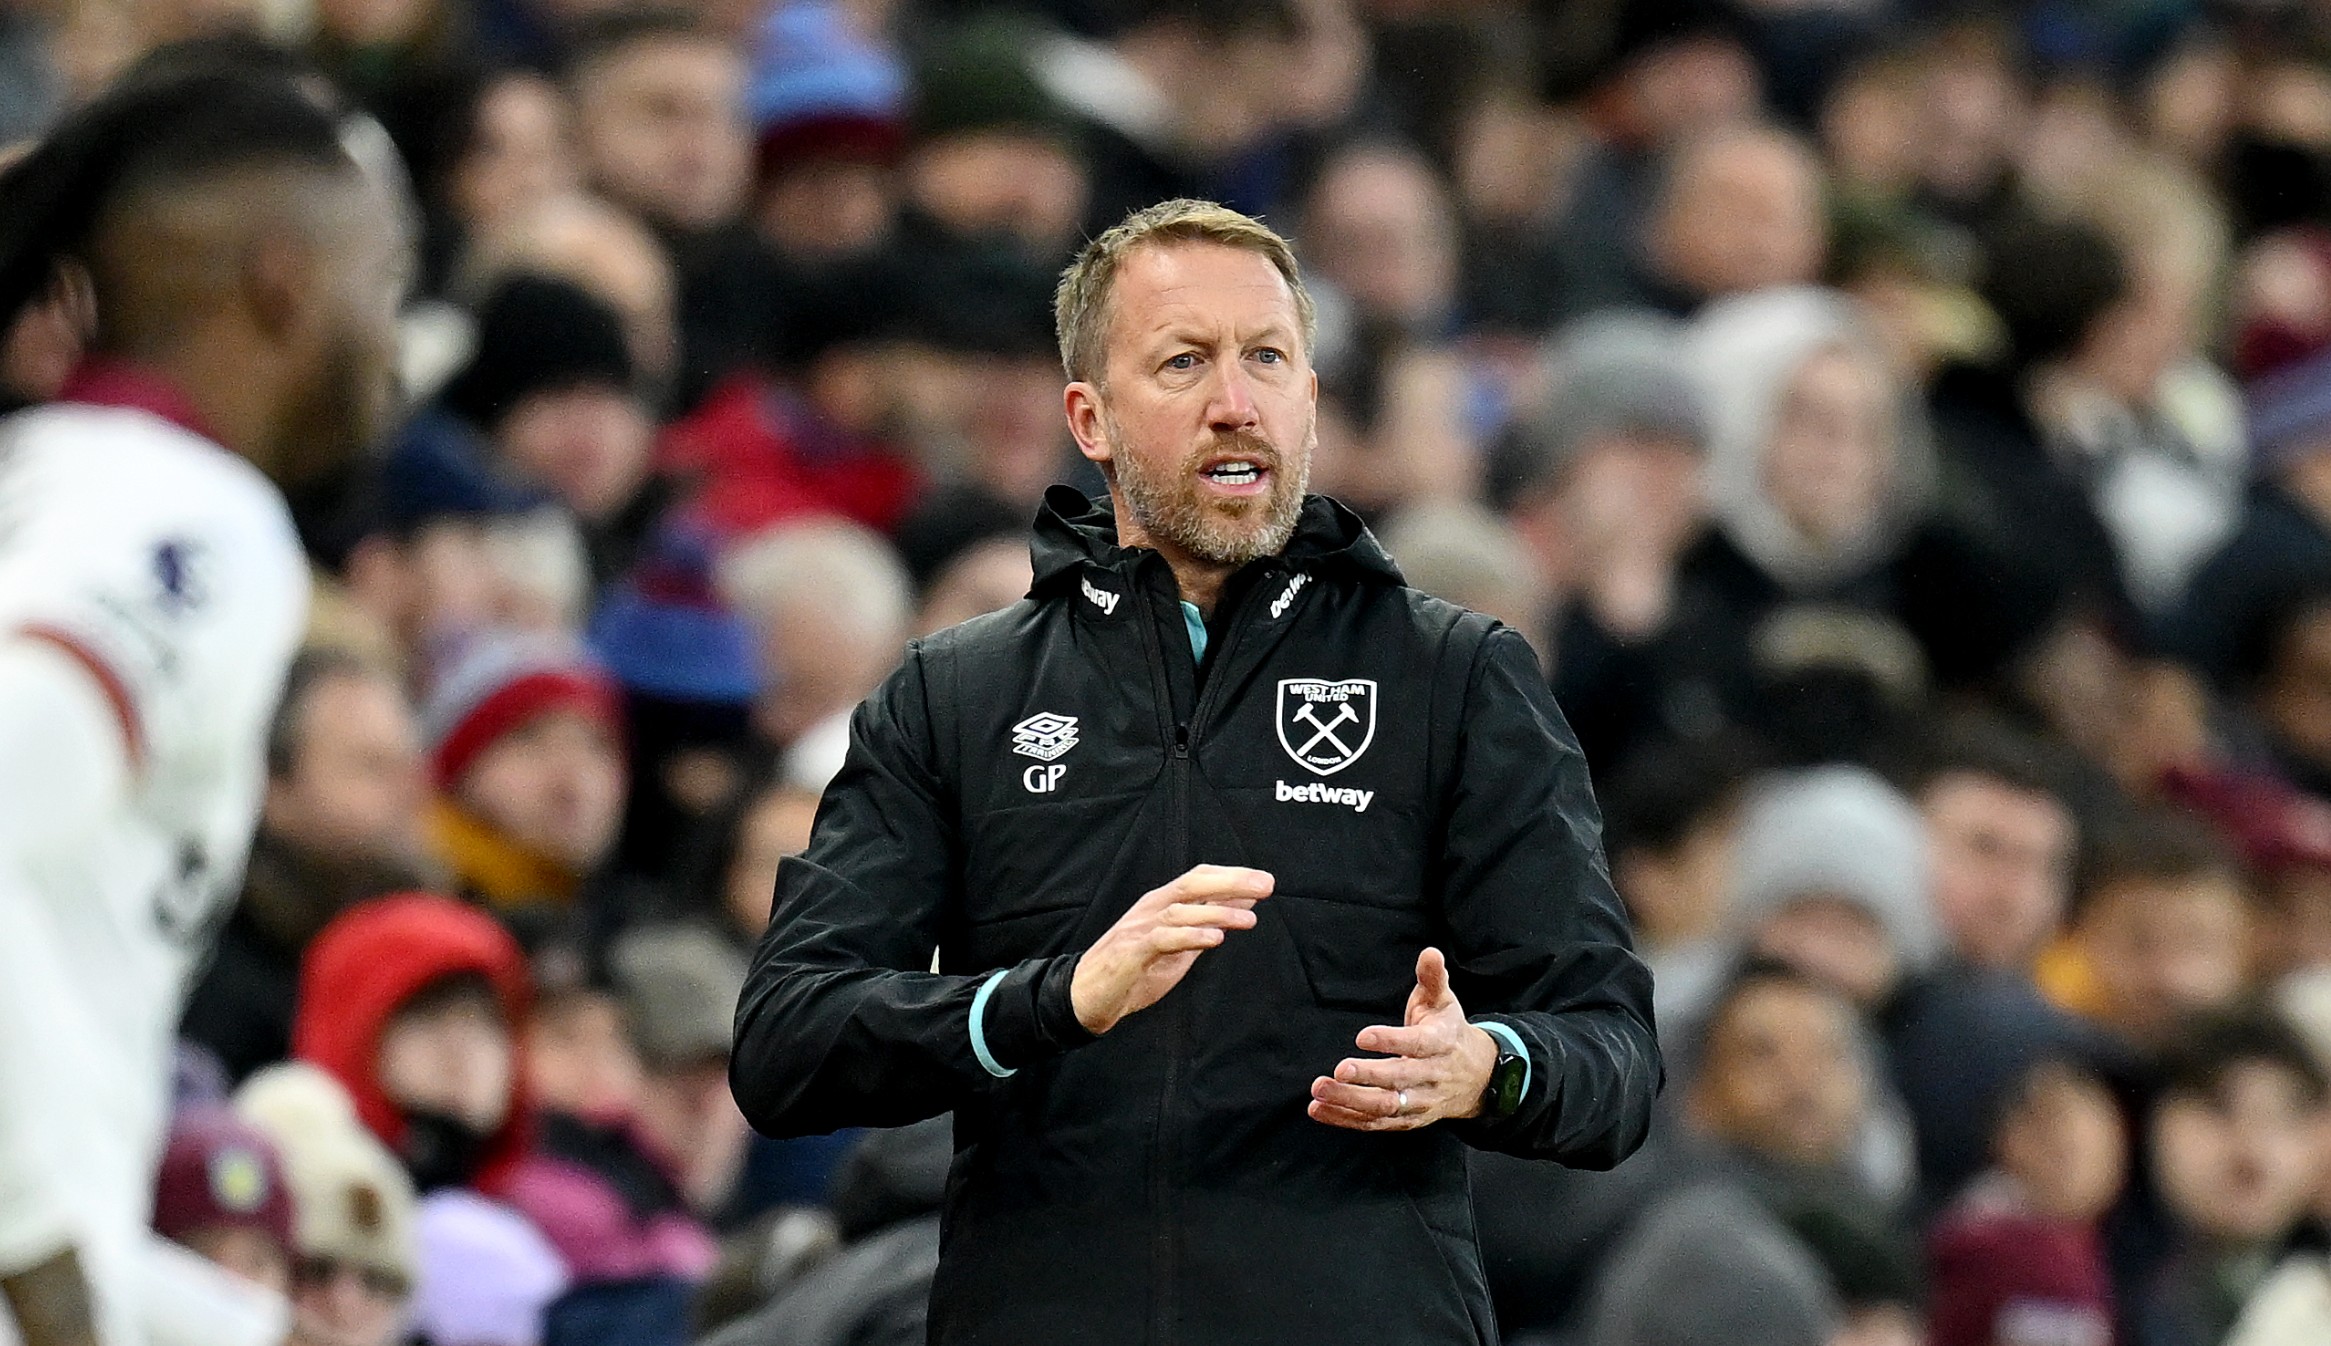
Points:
point(1401, 769)
point(876, 1290)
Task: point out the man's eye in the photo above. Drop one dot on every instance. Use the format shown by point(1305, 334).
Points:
point(1270, 355)
point(1183, 361)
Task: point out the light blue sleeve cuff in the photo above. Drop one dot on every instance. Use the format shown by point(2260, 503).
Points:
point(1502, 1032)
point(987, 1060)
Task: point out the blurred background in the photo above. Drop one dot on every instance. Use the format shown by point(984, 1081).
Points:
point(1903, 427)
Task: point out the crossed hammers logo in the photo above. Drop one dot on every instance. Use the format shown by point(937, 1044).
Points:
point(1308, 713)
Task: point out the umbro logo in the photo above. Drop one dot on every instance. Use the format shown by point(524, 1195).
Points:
point(1044, 735)
point(1286, 596)
point(1102, 599)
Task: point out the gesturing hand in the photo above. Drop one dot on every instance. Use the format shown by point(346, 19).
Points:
point(1151, 947)
point(1438, 1066)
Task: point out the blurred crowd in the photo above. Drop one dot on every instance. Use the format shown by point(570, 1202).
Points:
point(1902, 426)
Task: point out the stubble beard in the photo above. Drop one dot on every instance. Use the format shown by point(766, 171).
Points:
point(1226, 533)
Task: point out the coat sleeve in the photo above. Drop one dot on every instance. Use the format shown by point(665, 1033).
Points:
point(1540, 949)
point(842, 1022)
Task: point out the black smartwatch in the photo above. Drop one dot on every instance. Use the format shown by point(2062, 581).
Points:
point(1505, 1080)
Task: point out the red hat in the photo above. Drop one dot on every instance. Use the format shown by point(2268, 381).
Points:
point(367, 963)
point(220, 1172)
point(498, 682)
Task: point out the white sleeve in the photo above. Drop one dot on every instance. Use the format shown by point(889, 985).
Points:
point(186, 1301)
point(63, 768)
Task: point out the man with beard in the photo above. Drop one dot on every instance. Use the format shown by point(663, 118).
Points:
point(246, 271)
point(1225, 888)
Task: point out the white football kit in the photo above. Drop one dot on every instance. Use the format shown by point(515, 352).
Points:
point(152, 592)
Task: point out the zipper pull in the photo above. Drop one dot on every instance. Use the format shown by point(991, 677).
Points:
point(1181, 740)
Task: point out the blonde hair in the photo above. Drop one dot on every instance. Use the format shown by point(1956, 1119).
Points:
point(1080, 306)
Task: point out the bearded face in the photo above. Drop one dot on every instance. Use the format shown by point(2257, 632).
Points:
point(1226, 503)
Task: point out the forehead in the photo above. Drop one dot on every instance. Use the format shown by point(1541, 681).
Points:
point(1800, 1016)
point(662, 59)
point(1164, 287)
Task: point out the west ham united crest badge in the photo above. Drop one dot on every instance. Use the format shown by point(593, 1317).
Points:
point(1326, 725)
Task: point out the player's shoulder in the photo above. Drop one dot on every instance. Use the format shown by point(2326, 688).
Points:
point(123, 473)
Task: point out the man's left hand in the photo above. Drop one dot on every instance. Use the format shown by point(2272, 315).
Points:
point(1436, 1066)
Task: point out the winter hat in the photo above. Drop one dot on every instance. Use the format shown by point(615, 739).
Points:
point(666, 633)
point(2283, 353)
point(1708, 1264)
point(486, 1274)
point(978, 79)
point(1743, 352)
point(821, 89)
point(438, 469)
point(370, 962)
point(219, 1171)
point(1613, 373)
point(1839, 831)
point(497, 683)
point(538, 334)
point(355, 1202)
point(679, 986)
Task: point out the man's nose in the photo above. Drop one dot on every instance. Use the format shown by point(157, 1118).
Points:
point(1233, 405)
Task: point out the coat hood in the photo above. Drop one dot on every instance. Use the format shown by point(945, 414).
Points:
point(1074, 531)
point(1744, 352)
point(370, 961)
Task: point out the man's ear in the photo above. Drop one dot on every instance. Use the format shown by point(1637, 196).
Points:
point(1082, 402)
point(282, 277)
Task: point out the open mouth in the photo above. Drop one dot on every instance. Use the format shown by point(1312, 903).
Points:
point(1234, 472)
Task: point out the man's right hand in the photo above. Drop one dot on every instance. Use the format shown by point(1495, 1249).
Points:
point(1151, 947)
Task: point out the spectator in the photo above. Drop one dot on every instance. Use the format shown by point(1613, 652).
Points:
point(1604, 483)
point(2237, 1151)
point(2160, 932)
point(830, 603)
point(808, 430)
point(1671, 822)
point(1380, 231)
point(2019, 1256)
point(525, 741)
point(1787, 1095)
point(660, 111)
point(553, 387)
point(990, 155)
point(828, 103)
point(354, 1273)
point(2134, 410)
point(608, 1185)
point(342, 822)
point(1672, 70)
point(1739, 210)
point(410, 1003)
point(446, 544)
point(486, 150)
point(730, 870)
point(2002, 839)
point(689, 675)
point(1821, 485)
point(1830, 877)
point(222, 1193)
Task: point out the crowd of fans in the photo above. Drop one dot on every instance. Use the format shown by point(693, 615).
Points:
point(1902, 426)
